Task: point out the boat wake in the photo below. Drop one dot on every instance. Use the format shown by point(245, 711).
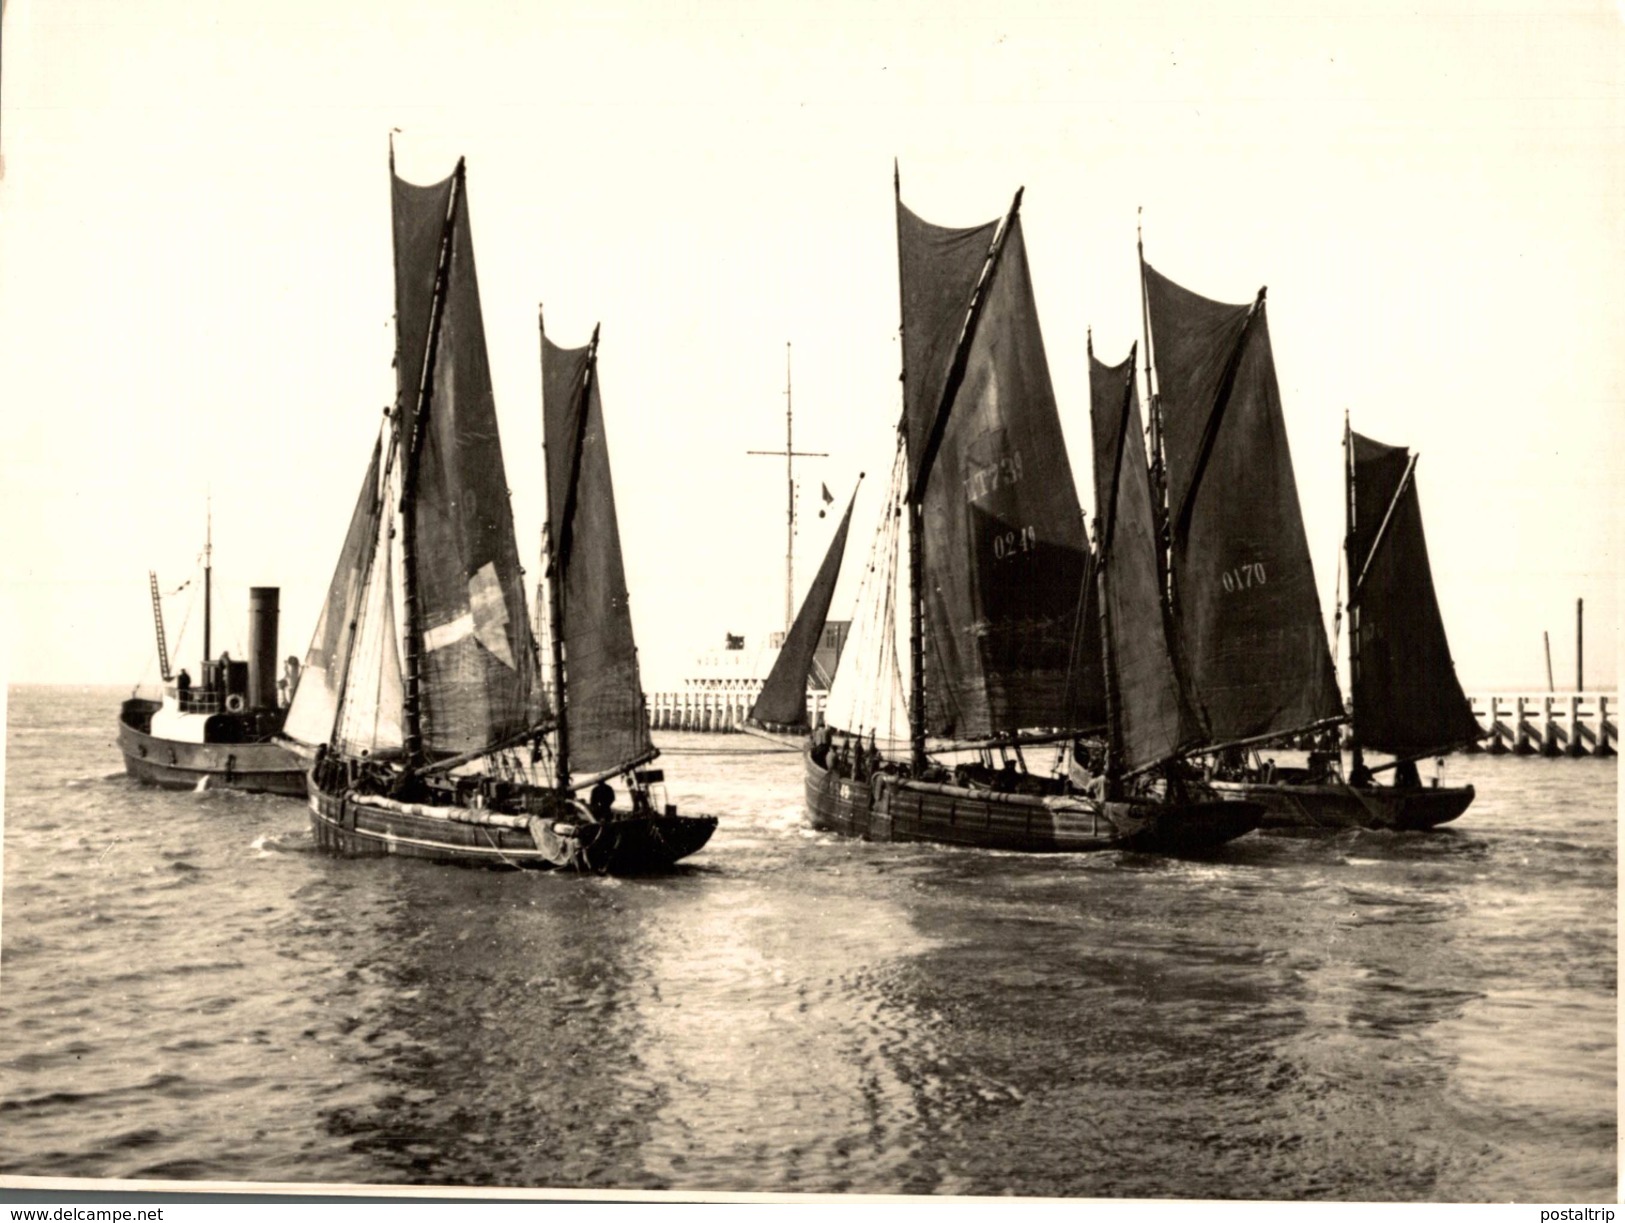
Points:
point(283, 843)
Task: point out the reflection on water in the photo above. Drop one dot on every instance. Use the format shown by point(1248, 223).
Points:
point(1366, 1015)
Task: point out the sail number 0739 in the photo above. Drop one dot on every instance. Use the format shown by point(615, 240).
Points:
point(1242, 577)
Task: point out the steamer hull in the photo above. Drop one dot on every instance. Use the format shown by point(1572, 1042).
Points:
point(254, 767)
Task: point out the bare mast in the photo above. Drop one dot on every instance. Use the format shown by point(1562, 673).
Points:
point(208, 573)
point(791, 454)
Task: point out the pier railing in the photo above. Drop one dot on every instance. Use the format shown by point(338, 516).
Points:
point(1524, 724)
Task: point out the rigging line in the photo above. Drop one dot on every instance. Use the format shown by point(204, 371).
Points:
point(1337, 612)
point(1382, 530)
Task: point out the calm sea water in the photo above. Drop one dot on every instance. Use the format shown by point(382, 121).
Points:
point(188, 990)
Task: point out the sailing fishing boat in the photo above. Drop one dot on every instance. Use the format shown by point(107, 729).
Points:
point(1405, 697)
point(221, 729)
point(1004, 642)
point(426, 740)
point(1241, 586)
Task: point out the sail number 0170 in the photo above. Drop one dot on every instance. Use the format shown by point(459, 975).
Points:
point(1242, 577)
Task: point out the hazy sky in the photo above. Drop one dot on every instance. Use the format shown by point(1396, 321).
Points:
point(195, 277)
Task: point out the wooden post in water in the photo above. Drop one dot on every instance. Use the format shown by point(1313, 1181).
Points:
point(1550, 732)
point(1522, 732)
point(1576, 744)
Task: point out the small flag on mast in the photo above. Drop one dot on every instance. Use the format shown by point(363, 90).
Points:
point(828, 497)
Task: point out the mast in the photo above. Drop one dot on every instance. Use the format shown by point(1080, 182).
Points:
point(928, 453)
point(1105, 528)
point(790, 454)
point(1349, 517)
point(790, 497)
point(411, 713)
point(916, 603)
point(208, 571)
point(1153, 404)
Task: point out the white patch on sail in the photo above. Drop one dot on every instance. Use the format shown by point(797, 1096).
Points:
point(370, 722)
point(490, 612)
point(310, 717)
point(449, 633)
point(867, 696)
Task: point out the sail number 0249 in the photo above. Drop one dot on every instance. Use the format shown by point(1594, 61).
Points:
point(1007, 544)
point(1242, 577)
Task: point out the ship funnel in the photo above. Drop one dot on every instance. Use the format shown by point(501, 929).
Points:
point(262, 617)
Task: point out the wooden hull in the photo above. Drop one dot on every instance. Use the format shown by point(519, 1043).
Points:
point(888, 808)
point(1338, 806)
point(259, 767)
point(366, 827)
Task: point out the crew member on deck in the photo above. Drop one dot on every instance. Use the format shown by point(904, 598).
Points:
point(601, 800)
point(288, 682)
point(183, 682)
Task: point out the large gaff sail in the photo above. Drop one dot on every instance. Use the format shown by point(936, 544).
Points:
point(1154, 721)
point(478, 683)
point(782, 705)
point(316, 700)
point(608, 726)
point(1407, 699)
point(1004, 543)
point(1246, 609)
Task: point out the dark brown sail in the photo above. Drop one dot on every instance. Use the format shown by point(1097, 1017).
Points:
point(1407, 699)
point(1154, 721)
point(939, 268)
point(782, 704)
point(608, 727)
point(478, 670)
point(1246, 609)
point(1004, 540)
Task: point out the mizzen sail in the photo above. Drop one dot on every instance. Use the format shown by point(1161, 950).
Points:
point(1407, 699)
point(608, 725)
point(782, 704)
point(1246, 609)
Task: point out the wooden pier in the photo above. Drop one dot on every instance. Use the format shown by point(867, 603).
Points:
point(1549, 723)
point(1520, 724)
point(716, 710)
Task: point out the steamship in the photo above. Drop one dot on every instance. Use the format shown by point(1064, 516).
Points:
point(221, 728)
